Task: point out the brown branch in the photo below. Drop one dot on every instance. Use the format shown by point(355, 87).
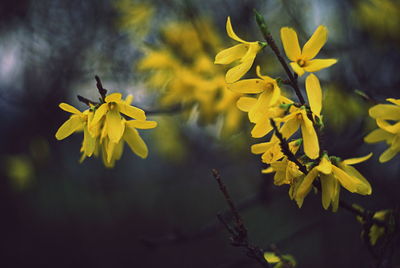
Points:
point(102, 91)
point(271, 42)
point(239, 237)
point(86, 101)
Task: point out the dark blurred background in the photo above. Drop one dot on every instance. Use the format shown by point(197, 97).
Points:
point(161, 212)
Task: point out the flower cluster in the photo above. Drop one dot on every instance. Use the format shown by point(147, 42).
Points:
point(269, 108)
point(387, 118)
point(105, 128)
point(181, 69)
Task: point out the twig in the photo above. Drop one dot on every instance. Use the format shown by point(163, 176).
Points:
point(239, 236)
point(86, 101)
point(102, 91)
point(271, 42)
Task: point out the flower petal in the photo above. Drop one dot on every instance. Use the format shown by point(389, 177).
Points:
point(135, 142)
point(89, 142)
point(394, 101)
point(392, 129)
point(325, 166)
point(132, 111)
point(115, 126)
point(142, 124)
point(69, 108)
point(310, 138)
point(297, 69)
point(231, 33)
point(290, 43)
point(261, 128)
point(246, 103)
point(347, 181)
point(235, 73)
point(116, 97)
point(231, 54)
point(318, 64)
point(73, 124)
point(315, 43)
point(385, 111)
point(306, 184)
point(328, 189)
point(314, 94)
point(260, 148)
point(290, 127)
point(250, 86)
point(98, 115)
point(377, 135)
point(353, 161)
point(364, 186)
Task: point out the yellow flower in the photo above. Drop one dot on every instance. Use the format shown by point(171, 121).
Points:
point(390, 133)
point(298, 119)
point(246, 52)
point(332, 175)
point(314, 94)
point(77, 122)
point(111, 110)
point(271, 151)
point(376, 231)
point(303, 60)
point(267, 88)
point(281, 261)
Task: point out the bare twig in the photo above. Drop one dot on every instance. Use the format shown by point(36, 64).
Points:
point(86, 101)
point(99, 85)
point(239, 237)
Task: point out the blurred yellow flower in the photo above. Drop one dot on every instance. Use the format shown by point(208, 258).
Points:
point(303, 60)
point(245, 52)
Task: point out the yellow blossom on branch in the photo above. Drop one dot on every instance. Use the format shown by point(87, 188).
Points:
point(245, 52)
point(388, 132)
point(303, 59)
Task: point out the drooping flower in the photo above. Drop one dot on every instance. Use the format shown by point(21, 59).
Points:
point(245, 52)
point(303, 60)
point(111, 110)
point(390, 133)
point(334, 173)
point(298, 119)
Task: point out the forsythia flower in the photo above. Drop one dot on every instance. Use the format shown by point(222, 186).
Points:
point(390, 133)
point(246, 52)
point(284, 260)
point(303, 60)
point(332, 175)
point(105, 130)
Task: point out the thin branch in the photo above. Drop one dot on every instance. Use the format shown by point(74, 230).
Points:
point(86, 101)
point(239, 237)
point(99, 85)
point(271, 42)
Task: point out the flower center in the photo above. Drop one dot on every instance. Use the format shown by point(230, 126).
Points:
point(112, 105)
point(301, 63)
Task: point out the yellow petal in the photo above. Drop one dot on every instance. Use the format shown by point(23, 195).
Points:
point(262, 128)
point(89, 143)
point(364, 187)
point(132, 111)
point(391, 151)
point(353, 161)
point(290, 127)
point(135, 142)
point(297, 69)
point(110, 151)
point(271, 257)
point(290, 43)
point(328, 189)
point(377, 135)
point(347, 181)
point(68, 108)
point(310, 138)
point(246, 103)
point(115, 97)
point(394, 101)
point(267, 170)
point(314, 94)
point(238, 71)
point(318, 64)
point(315, 43)
point(129, 99)
point(73, 124)
point(306, 184)
point(115, 126)
point(142, 124)
point(260, 148)
point(251, 86)
point(393, 129)
point(231, 54)
point(385, 111)
point(98, 115)
point(325, 166)
point(231, 33)
point(118, 150)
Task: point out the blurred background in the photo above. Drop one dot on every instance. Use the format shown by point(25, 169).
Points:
point(56, 212)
